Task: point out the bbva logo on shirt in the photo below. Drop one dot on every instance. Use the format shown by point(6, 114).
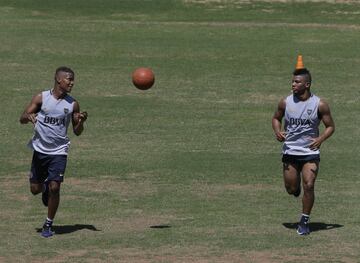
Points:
point(54, 121)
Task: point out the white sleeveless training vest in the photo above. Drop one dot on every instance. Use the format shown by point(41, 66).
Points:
point(301, 124)
point(50, 132)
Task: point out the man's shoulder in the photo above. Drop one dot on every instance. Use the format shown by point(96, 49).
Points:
point(312, 95)
point(69, 99)
point(288, 98)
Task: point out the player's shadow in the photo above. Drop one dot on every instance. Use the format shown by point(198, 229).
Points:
point(67, 229)
point(314, 226)
point(160, 226)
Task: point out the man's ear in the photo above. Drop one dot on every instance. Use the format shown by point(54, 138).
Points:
point(57, 79)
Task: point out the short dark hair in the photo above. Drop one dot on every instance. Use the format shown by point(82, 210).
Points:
point(64, 69)
point(303, 71)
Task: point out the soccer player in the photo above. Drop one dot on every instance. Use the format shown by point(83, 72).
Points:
point(51, 112)
point(302, 112)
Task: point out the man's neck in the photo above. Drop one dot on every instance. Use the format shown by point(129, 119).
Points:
point(303, 97)
point(58, 93)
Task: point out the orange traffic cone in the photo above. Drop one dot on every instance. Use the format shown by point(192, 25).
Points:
point(299, 63)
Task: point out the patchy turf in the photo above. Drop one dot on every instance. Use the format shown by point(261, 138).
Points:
point(188, 171)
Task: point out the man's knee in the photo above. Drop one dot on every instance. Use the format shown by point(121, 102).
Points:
point(54, 188)
point(291, 189)
point(309, 182)
point(34, 191)
point(35, 188)
point(309, 186)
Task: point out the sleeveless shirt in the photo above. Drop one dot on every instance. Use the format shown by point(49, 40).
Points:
point(50, 132)
point(301, 124)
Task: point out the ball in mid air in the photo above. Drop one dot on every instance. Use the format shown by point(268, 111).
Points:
point(143, 78)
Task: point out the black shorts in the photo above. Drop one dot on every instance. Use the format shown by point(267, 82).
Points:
point(300, 159)
point(45, 167)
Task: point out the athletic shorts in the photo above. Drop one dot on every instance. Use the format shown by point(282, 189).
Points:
point(45, 167)
point(300, 159)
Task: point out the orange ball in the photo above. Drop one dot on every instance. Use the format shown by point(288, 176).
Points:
point(143, 78)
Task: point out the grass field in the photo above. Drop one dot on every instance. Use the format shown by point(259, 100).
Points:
point(188, 171)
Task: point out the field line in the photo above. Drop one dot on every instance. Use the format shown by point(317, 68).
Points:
point(243, 24)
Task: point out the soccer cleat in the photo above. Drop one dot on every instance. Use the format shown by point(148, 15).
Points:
point(45, 194)
point(303, 229)
point(46, 231)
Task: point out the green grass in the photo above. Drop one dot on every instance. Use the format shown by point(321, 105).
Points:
point(188, 171)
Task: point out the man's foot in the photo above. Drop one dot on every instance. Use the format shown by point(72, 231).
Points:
point(303, 229)
point(45, 194)
point(46, 231)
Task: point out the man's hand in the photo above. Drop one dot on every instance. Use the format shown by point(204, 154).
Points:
point(80, 117)
point(30, 112)
point(29, 117)
point(316, 143)
point(280, 136)
point(83, 116)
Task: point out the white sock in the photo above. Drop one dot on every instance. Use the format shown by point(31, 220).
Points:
point(49, 221)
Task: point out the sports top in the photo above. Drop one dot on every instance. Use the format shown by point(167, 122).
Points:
point(301, 124)
point(50, 132)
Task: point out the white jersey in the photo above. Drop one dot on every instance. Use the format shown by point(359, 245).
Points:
point(301, 124)
point(50, 132)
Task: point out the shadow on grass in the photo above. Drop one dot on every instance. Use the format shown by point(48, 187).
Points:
point(160, 226)
point(314, 226)
point(67, 229)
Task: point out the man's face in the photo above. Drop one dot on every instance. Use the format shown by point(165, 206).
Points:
point(299, 84)
point(66, 81)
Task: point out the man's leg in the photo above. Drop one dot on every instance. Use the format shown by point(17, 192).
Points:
point(53, 204)
point(292, 180)
point(38, 173)
point(55, 177)
point(54, 198)
point(309, 173)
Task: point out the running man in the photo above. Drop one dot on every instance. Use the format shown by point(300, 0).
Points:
point(51, 112)
point(302, 112)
